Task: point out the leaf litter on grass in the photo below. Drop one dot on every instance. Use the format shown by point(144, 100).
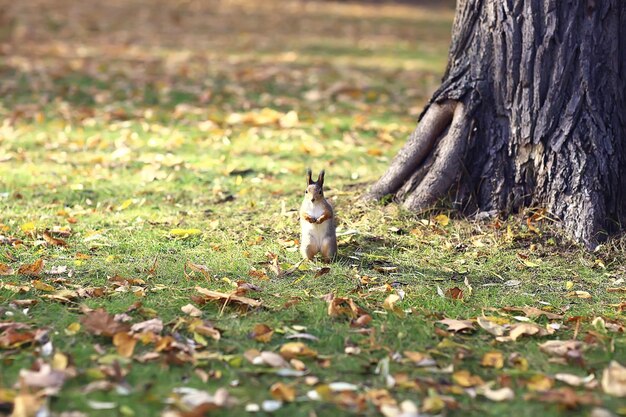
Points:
point(188, 157)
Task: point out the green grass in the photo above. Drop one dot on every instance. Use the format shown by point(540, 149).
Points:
point(131, 141)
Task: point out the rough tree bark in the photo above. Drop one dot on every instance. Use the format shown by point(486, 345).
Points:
point(531, 112)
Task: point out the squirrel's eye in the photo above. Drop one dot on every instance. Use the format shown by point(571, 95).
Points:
point(306, 191)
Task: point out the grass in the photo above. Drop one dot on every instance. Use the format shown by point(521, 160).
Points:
point(119, 128)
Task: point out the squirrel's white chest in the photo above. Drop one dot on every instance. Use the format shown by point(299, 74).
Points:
point(316, 210)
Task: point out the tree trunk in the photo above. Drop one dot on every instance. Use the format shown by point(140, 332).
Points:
point(531, 112)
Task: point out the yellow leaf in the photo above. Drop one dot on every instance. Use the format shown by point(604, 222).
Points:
point(28, 227)
point(283, 392)
point(539, 382)
point(60, 361)
point(441, 219)
point(390, 305)
point(183, 233)
point(569, 285)
point(125, 204)
point(125, 344)
point(296, 349)
point(42, 286)
point(493, 359)
point(6, 269)
point(579, 294)
point(72, 329)
point(466, 380)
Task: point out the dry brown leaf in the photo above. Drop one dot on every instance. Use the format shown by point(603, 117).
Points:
point(42, 286)
point(273, 359)
point(6, 270)
point(296, 349)
point(457, 325)
point(191, 310)
point(525, 329)
point(390, 305)
point(566, 397)
point(196, 268)
point(228, 298)
point(464, 379)
point(579, 294)
point(491, 327)
point(148, 326)
point(341, 306)
point(419, 358)
point(497, 395)
point(43, 377)
point(455, 293)
point(204, 328)
point(99, 322)
point(533, 312)
point(125, 344)
point(539, 382)
point(261, 333)
point(53, 240)
point(27, 404)
point(614, 379)
point(33, 269)
point(493, 359)
point(560, 347)
point(323, 271)
point(283, 392)
point(575, 380)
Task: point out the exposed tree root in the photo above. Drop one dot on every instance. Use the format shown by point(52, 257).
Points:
point(446, 164)
point(419, 145)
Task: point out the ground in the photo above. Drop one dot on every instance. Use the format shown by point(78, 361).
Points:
point(152, 162)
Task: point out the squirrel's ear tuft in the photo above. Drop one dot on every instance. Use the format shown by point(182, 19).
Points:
point(320, 178)
point(309, 181)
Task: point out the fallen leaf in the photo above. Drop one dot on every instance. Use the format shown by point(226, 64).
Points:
point(579, 294)
point(574, 380)
point(566, 397)
point(33, 269)
point(184, 233)
point(491, 327)
point(322, 271)
point(539, 382)
point(283, 392)
point(227, 298)
point(42, 286)
point(614, 379)
point(497, 395)
point(6, 270)
point(191, 310)
point(99, 322)
point(455, 293)
point(196, 268)
point(560, 347)
point(533, 312)
point(125, 344)
point(340, 306)
point(149, 326)
point(493, 359)
point(261, 333)
point(441, 219)
point(457, 325)
point(390, 305)
point(44, 377)
point(296, 349)
point(464, 379)
point(53, 240)
point(27, 404)
point(419, 359)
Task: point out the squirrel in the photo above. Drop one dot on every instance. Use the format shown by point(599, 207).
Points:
point(317, 222)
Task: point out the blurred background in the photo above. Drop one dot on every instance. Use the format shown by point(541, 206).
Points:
point(105, 101)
